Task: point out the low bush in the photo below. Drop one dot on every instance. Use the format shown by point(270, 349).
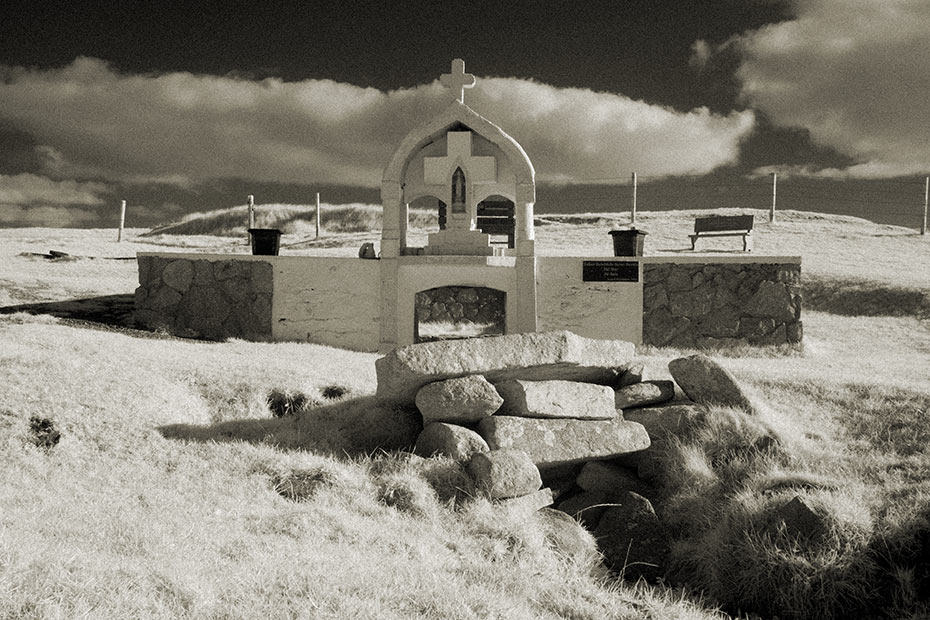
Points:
point(285, 403)
point(44, 432)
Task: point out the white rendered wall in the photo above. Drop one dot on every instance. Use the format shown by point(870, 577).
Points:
point(605, 310)
point(331, 301)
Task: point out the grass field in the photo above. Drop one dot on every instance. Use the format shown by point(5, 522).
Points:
point(175, 492)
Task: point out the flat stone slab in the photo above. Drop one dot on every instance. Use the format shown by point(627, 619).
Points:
point(559, 442)
point(557, 399)
point(705, 381)
point(529, 503)
point(660, 422)
point(644, 393)
point(460, 401)
point(502, 474)
point(535, 356)
point(449, 440)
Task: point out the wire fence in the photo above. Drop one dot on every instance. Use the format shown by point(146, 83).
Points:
point(901, 202)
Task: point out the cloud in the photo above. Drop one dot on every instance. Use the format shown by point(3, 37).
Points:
point(575, 134)
point(181, 128)
point(854, 73)
point(28, 189)
point(701, 53)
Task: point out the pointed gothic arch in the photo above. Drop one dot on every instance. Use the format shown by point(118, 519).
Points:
point(457, 117)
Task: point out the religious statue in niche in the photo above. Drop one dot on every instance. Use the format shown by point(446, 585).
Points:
point(458, 191)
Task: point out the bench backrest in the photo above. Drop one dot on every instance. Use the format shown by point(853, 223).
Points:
point(718, 223)
point(496, 219)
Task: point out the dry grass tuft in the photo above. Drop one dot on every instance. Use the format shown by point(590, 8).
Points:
point(332, 392)
point(726, 483)
point(44, 432)
point(285, 403)
point(750, 560)
point(302, 484)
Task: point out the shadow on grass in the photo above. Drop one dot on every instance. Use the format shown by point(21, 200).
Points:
point(113, 310)
point(902, 555)
point(854, 297)
point(107, 313)
point(355, 426)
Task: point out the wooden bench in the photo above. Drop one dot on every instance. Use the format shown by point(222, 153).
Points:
point(496, 219)
point(724, 226)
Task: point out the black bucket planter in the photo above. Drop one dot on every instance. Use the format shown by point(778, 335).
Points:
point(265, 241)
point(628, 242)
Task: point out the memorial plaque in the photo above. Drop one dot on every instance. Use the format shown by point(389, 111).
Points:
point(609, 271)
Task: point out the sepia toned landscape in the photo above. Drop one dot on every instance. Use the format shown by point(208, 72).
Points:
point(465, 311)
point(152, 476)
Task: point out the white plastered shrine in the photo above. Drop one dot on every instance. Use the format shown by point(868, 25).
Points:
point(459, 158)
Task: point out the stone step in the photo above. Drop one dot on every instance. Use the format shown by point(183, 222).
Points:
point(557, 399)
point(553, 442)
point(534, 356)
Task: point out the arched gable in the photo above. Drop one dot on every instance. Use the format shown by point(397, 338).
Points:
point(454, 115)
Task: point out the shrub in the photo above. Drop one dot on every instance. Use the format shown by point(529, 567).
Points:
point(44, 433)
point(284, 403)
point(334, 391)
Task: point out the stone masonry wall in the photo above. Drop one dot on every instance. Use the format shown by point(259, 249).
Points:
point(213, 299)
point(455, 304)
point(721, 304)
point(463, 306)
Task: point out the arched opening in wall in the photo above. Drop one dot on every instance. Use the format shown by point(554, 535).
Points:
point(495, 217)
point(426, 214)
point(449, 312)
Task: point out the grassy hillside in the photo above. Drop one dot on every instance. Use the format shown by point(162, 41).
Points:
point(290, 219)
point(174, 491)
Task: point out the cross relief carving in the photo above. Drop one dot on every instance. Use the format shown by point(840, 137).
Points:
point(478, 169)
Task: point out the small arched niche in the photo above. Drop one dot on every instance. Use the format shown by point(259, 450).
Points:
point(450, 312)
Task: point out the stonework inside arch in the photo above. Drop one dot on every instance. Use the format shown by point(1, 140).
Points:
point(448, 312)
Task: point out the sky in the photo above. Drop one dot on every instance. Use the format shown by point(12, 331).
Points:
point(181, 107)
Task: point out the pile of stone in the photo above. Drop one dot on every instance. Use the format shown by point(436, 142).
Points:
point(556, 409)
point(546, 395)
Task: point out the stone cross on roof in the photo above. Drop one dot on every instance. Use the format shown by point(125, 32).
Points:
point(458, 80)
